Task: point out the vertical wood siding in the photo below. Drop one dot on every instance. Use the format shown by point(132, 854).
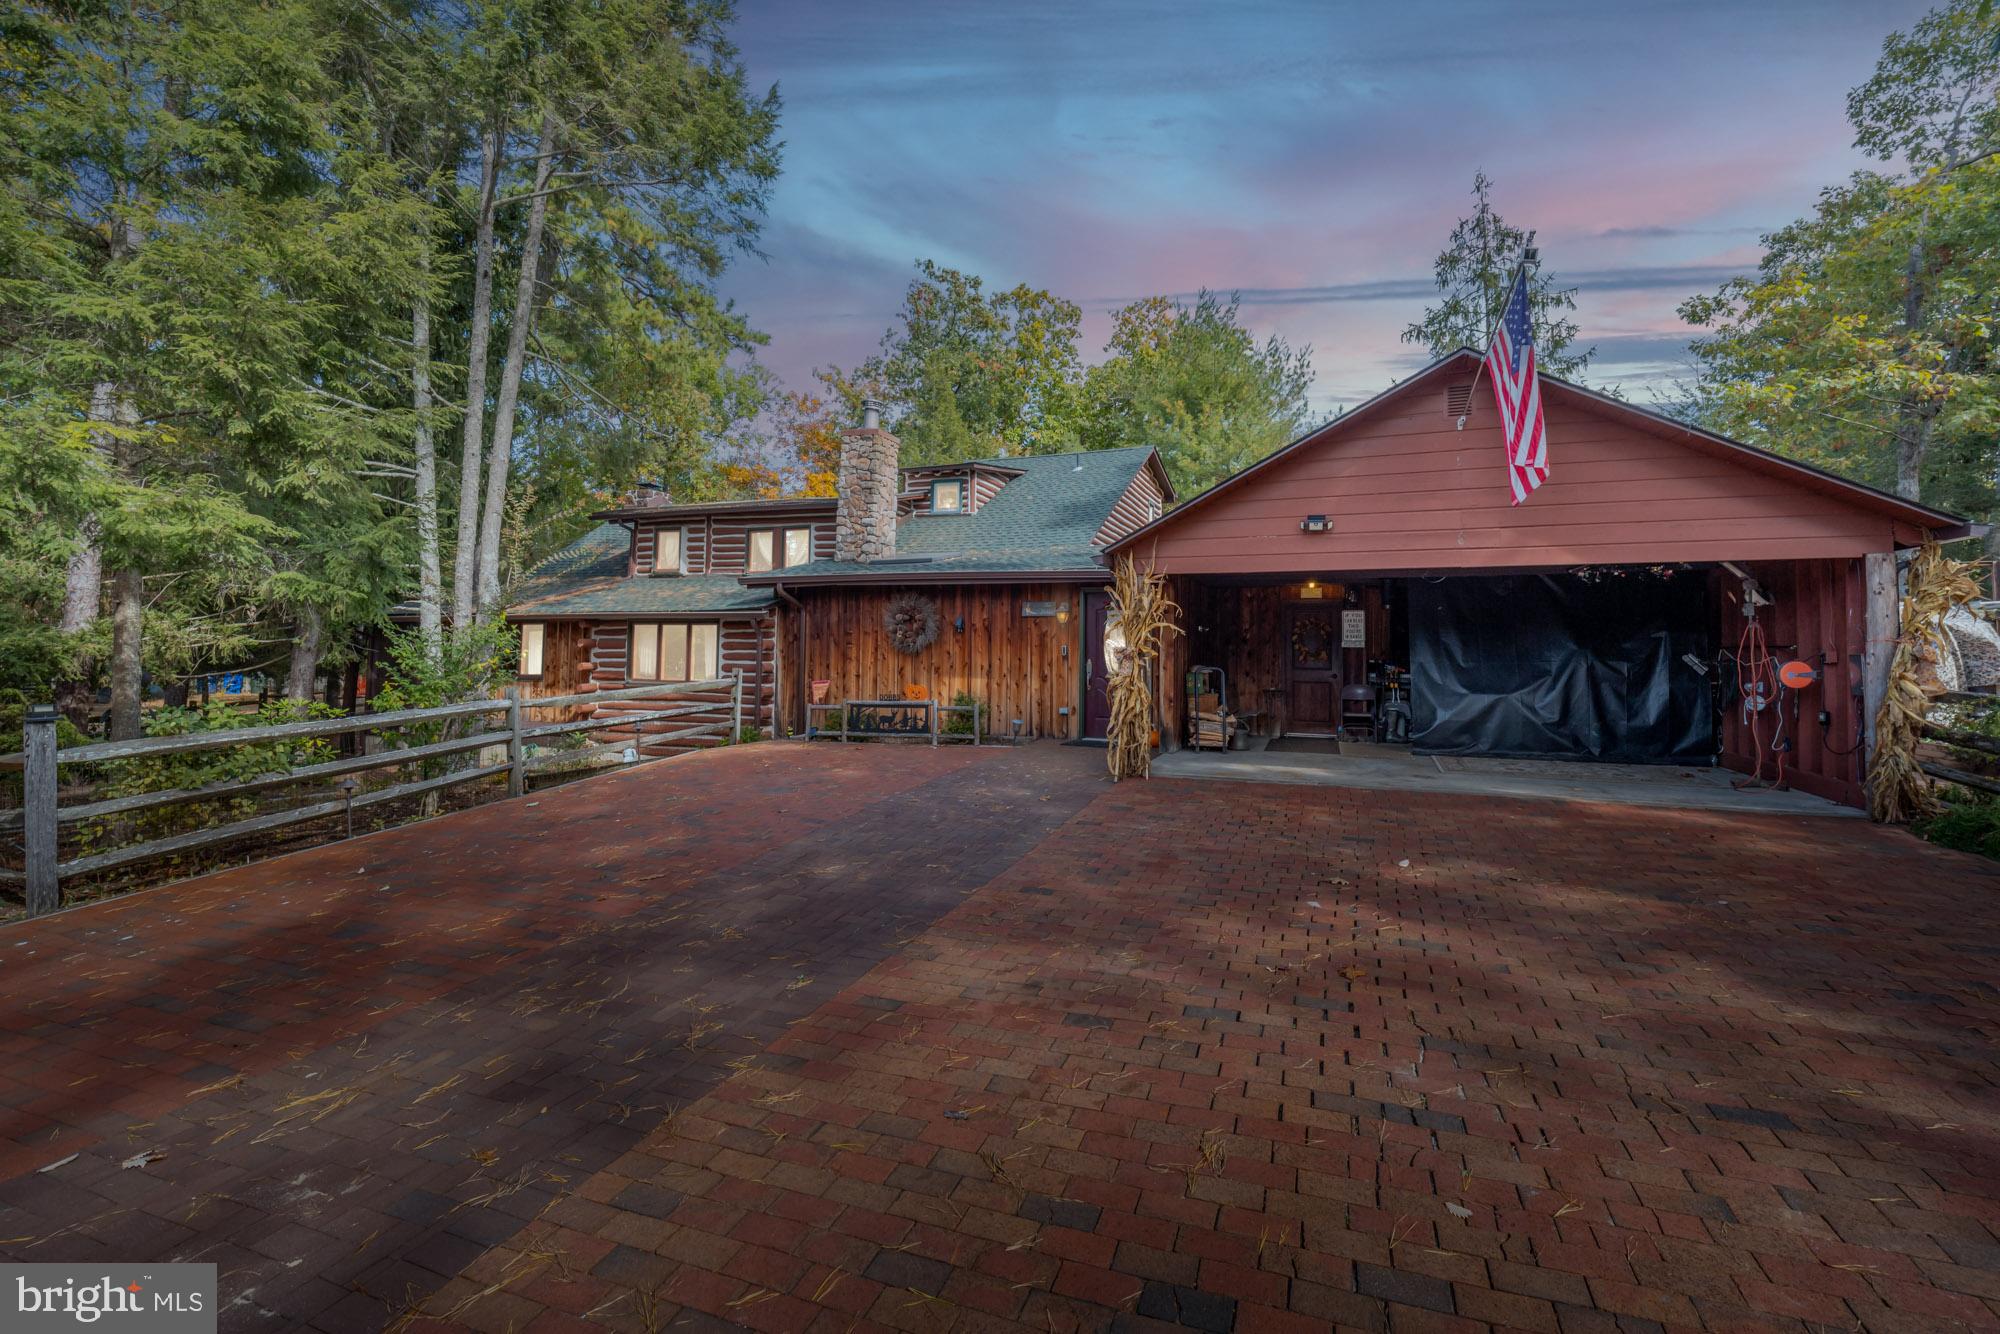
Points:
point(1820, 616)
point(1242, 631)
point(1015, 665)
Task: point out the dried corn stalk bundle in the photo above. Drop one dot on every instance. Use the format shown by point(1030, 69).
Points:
point(1144, 617)
point(1897, 789)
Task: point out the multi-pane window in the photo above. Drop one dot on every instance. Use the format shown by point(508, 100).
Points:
point(674, 652)
point(948, 496)
point(667, 551)
point(768, 544)
point(533, 634)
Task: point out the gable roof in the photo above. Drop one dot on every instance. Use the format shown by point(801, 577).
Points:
point(1941, 524)
point(1042, 522)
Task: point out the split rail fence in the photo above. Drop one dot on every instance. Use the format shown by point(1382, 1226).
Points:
point(42, 814)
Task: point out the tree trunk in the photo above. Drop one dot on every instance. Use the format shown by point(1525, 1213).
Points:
point(501, 454)
point(465, 566)
point(303, 672)
point(430, 592)
point(128, 610)
point(83, 578)
point(1913, 419)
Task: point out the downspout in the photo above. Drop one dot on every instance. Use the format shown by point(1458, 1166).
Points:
point(799, 662)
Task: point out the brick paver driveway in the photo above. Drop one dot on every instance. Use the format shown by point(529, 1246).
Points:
point(873, 1037)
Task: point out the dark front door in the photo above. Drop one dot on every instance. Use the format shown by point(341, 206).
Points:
point(1096, 680)
point(1312, 659)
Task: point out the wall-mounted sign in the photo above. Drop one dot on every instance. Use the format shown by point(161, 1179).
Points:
point(1354, 628)
point(1042, 608)
point(1312, 592)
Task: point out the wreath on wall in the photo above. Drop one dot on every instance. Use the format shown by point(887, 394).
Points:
point(911, 622)
point(1312, 640)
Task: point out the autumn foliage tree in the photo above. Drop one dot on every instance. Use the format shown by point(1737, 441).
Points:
point(1865, 341)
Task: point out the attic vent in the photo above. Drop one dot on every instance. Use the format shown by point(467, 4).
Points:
point(1458, 399)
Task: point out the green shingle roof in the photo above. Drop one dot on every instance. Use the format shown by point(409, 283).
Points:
point(1041, 522)
point(587, 578)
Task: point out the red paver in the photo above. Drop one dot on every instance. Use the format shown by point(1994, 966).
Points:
point(1189, 1055)
point(1215, 1056)
point(365, 1064)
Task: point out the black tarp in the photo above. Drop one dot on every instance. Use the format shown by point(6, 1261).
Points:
point(1560, 666)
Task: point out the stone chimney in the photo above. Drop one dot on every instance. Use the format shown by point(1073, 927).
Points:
point(870, 475)
point(647, 495)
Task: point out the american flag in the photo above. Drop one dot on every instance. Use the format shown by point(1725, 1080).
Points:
point(1517, 389)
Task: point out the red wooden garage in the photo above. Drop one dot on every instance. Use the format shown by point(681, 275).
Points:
point(1601, 620)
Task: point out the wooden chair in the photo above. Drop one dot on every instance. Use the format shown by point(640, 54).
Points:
point(1357, 710)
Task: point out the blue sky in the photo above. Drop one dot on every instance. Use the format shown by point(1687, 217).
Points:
point(1312, 157)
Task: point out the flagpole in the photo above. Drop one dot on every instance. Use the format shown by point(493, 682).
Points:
point(1520, 268)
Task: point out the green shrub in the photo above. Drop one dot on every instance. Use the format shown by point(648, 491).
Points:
point(1969, 826)
point(960, 724)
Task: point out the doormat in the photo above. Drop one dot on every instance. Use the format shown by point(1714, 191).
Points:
point(1304, 745)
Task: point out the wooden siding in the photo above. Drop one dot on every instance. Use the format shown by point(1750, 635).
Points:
point(1015, 665)
point(1819, 615)
point(985, 486)
point(1138, 506)
point(597, 652)
point(1407, 491)
point(694, 545)
point(721, 545)
point(567, 669)
point(729, 541)
point(1242, 631)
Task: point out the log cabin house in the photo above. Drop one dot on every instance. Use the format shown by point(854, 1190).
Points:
point(1007, 553)
point(1379, 558)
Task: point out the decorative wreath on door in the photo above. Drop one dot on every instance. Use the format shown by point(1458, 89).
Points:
point(1312, 641)
point(911, 622)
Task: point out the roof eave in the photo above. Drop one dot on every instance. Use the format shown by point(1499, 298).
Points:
point(921, 576)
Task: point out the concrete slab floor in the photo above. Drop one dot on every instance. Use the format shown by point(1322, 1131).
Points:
point(1390, 769)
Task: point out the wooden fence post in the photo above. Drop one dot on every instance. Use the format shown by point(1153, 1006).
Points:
point(38, 807)
point(736, 710)
point(517, 750)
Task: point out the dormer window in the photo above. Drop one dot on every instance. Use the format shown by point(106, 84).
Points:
point(667, 551)
point(767, 545)
point(948, 496)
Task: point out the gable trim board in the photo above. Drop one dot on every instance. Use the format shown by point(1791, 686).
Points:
point(1396, 465)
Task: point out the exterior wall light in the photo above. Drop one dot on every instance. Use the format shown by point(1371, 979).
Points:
point(1315, 523)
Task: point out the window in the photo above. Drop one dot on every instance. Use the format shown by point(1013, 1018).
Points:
point(673, 653)
point(532, 636)
point(948, 496)
point(667, 551)
point(767, 544)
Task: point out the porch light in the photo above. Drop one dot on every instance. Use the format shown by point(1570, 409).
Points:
point(1315, 523)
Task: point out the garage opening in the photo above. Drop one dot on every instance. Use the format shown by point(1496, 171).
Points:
point(1611, 665)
